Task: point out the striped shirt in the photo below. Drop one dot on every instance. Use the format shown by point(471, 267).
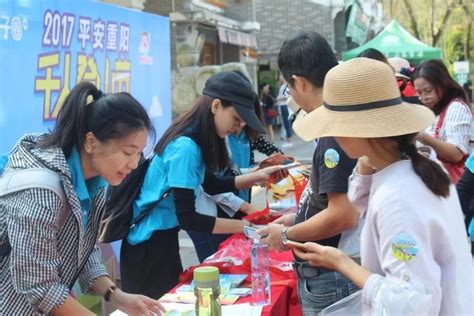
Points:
point(456, 127)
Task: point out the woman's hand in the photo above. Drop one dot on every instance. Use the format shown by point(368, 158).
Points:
point(424, 138)
point(322, 256)
point(134, 304)
point(333, 259)
point(272, 174)
point(261, 176)
point(364, 167)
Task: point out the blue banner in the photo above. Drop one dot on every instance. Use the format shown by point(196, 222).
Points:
point(47, 47)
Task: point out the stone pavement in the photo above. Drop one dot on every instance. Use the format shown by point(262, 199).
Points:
point(302, 151)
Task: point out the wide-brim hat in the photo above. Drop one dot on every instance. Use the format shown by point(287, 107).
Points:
point(398, 63)
point(235, 88)
point(362, 99)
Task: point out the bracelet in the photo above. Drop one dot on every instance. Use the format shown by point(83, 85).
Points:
point(109, 292)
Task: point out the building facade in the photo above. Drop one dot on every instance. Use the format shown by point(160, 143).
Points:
point(251, 32)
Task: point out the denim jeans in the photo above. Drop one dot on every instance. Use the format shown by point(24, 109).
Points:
point(206, 244)
point(318, 291)
point(286, 122)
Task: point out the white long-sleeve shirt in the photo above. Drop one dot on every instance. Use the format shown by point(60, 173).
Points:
point(414, 242)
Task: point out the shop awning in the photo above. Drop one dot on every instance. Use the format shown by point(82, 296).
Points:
point(237, 38)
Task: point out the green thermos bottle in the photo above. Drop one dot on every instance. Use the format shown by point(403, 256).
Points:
point(207, 290)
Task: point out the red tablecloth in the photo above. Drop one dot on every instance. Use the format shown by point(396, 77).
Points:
point(284, 297)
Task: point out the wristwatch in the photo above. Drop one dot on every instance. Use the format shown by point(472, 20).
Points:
point(284, 235)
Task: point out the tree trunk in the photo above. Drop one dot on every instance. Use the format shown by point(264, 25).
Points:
point(467, 37)
point(413, 24)
point(432, 18)
point(444, 20)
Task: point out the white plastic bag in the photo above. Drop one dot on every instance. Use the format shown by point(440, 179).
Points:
point(350, 306)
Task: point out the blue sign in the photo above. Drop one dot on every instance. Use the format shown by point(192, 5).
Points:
point(47, 47)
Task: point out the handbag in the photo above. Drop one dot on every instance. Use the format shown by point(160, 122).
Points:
point(117, 218)
point(454, 169)
point(271, 113)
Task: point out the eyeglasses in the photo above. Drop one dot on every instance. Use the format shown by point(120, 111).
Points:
point(292, 117)
point(286, 91)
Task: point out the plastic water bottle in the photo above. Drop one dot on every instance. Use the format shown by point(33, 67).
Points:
point(260, 274)
point(207, 290)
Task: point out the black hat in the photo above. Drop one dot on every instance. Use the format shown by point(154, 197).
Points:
point(232, 87)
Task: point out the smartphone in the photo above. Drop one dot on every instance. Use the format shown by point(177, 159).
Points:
point(296, 244)
point(251, 232)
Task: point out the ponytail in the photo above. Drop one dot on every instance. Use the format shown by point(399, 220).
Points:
point(106, 116)
point(434, 177)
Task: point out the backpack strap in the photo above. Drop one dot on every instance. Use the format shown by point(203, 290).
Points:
point(41, 178)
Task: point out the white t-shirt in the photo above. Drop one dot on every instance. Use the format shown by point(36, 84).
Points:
point(282, 99)
point(414, 242)
point(456, 127)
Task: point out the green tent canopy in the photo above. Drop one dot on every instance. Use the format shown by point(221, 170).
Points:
point(395, 41)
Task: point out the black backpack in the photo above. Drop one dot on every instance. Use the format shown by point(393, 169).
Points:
point(117, 218)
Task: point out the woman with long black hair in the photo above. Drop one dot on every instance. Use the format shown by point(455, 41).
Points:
point(187, 156)
point(47, 236)
point(450, 134)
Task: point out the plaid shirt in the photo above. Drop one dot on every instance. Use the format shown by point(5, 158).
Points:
point(45, 259)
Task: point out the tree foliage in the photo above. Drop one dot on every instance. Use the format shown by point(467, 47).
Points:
point(443, 23)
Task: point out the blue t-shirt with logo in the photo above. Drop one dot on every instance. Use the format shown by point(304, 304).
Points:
point(240, 149)
point(180, 166)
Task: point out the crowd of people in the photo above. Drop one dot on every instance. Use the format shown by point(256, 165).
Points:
point(380, 215)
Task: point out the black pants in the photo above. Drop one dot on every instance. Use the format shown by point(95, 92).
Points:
point(151, 268)
point(465, 189)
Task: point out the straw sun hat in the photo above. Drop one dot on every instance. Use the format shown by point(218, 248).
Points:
point(398, 63)
point(362, 99)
